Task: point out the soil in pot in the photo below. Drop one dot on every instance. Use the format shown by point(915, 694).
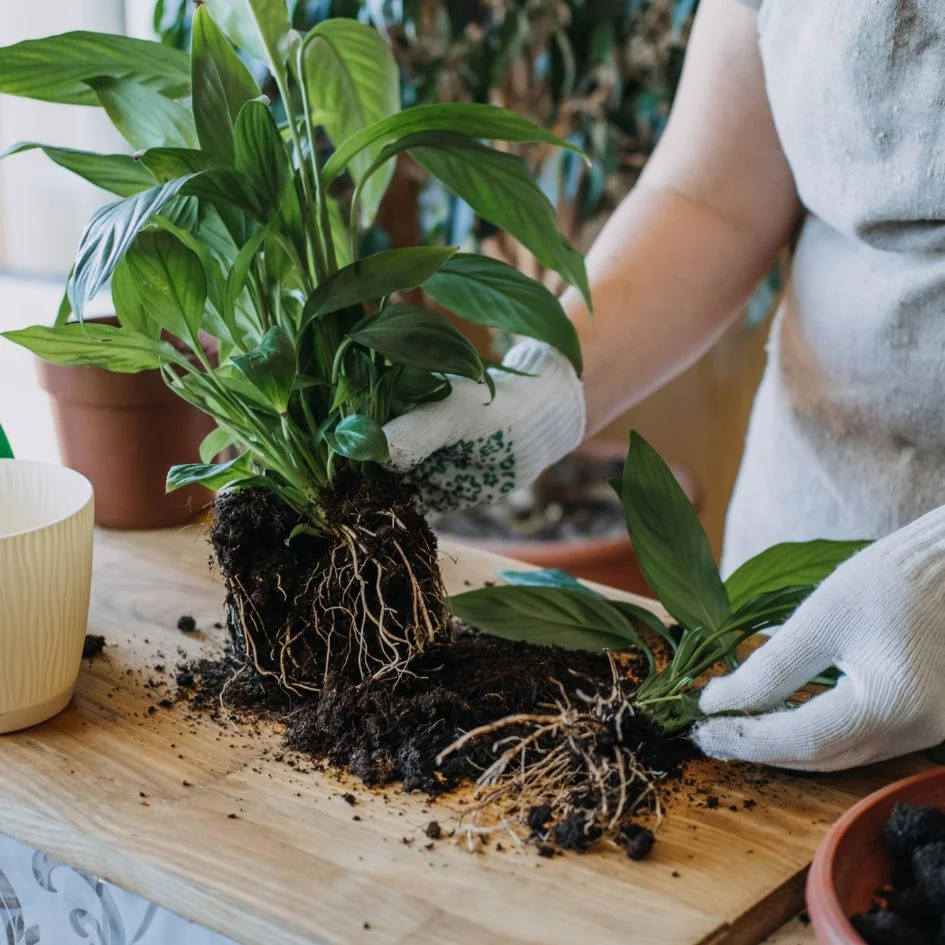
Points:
point(912, 910)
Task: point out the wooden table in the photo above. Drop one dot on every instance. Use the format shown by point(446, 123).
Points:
point(144, 797)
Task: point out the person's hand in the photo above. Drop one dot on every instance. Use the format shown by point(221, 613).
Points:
point(465, 450)
point(880, 619)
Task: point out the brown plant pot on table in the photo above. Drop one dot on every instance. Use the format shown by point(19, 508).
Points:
point(606, 559)
point(123, 432)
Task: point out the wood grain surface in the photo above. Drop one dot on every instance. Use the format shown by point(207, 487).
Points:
point(205, 819)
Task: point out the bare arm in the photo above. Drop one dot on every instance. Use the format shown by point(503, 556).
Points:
point(686, 248)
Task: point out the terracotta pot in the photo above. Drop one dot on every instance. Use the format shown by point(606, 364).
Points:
point(851, 863)
point(123, 432)
point(607, 560)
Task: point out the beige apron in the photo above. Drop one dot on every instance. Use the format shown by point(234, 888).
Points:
point(847, 437)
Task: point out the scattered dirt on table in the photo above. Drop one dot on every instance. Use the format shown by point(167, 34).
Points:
point(394, 729)
point(912, 910)
point(92, 646)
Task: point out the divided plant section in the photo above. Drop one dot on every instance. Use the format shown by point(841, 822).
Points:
point(237, 273)
point(589, 761)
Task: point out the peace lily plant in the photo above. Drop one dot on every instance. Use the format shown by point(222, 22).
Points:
point(237, 272)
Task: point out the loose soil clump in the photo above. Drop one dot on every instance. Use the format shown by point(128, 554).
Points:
point(416, 728)
point(912, 910)
point(304, 609)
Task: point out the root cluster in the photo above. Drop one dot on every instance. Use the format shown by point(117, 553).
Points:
point(575, 776)
point(359, 604)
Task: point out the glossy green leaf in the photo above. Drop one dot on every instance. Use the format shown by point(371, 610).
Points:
point(143, 116)
point(789, 564)
point(419, 338)
point(170, 277)
point(669, 542)
point(475, 120)
point(94, 345)
point(259, 27)
point(6, 451)
point(261, 159)
point(166, 164)
point(239, 273)
point(769, 608)
point(500, 188)
point(413, 386)
point(131, 312)
point(359, 438)
point(375, 277)
point(107, 237)
point(210, 475)
point(214, 443)
point(547, 577)
point(119, 174)
point(271, 367)
point(57, 68)
point(353, 82)
point(550, 616)
point(220, 85)
point(640, 615)
point(491, 293)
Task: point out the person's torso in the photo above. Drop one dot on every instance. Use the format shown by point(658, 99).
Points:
point(848, 433)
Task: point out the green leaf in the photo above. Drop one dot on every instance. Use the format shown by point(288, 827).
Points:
point(6, 451)
point(669, 543)
point(500, 188)
point(259, 27)
point(769, 608)
point(359, 438)
point(214, 443)
point(271, 367)
point(475, 120)
point(788, 564)
point(57, 68)
point(221, 85)
point(261, 159)
point(547, 577)
point(419, 338)
point(172, 280)
point(212, 476)
point(487, 292)
point(108, 235)
point(128, 307)
point(640, 615)
point(143, 116)
point(413, 386)
point(375, 277)
point(166, 164)
point(352, 81)
point(92, 345)
point(117, 173)
point(239, 273)
point(550, 616)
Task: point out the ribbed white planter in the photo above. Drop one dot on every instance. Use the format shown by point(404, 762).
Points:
point(46, 514)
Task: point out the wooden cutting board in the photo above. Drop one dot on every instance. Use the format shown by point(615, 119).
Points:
point(144, 796)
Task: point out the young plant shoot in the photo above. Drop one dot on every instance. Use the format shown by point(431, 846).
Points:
point(234, 255)
point(583, 759)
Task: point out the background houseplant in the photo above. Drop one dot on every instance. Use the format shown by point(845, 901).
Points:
point(228, 228)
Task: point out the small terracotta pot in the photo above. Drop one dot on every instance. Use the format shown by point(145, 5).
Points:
point(606, 560)
point(123, 432)
point(851, 863)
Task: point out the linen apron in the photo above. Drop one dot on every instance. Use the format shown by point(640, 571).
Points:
point(847, 435)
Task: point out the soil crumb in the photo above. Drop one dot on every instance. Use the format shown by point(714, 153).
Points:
point(92, 646)
point(186, 624)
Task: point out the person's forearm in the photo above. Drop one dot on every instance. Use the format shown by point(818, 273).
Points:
point(668, 275)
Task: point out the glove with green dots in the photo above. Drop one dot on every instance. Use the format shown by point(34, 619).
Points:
point(466, 450)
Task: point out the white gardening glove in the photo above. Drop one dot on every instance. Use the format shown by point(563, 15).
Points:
point(880, 619)
point(465, 450)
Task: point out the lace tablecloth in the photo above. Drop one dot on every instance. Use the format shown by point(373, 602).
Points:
point(45, 902)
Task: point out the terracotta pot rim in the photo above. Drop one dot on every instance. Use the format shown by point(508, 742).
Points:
point(827, 915)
